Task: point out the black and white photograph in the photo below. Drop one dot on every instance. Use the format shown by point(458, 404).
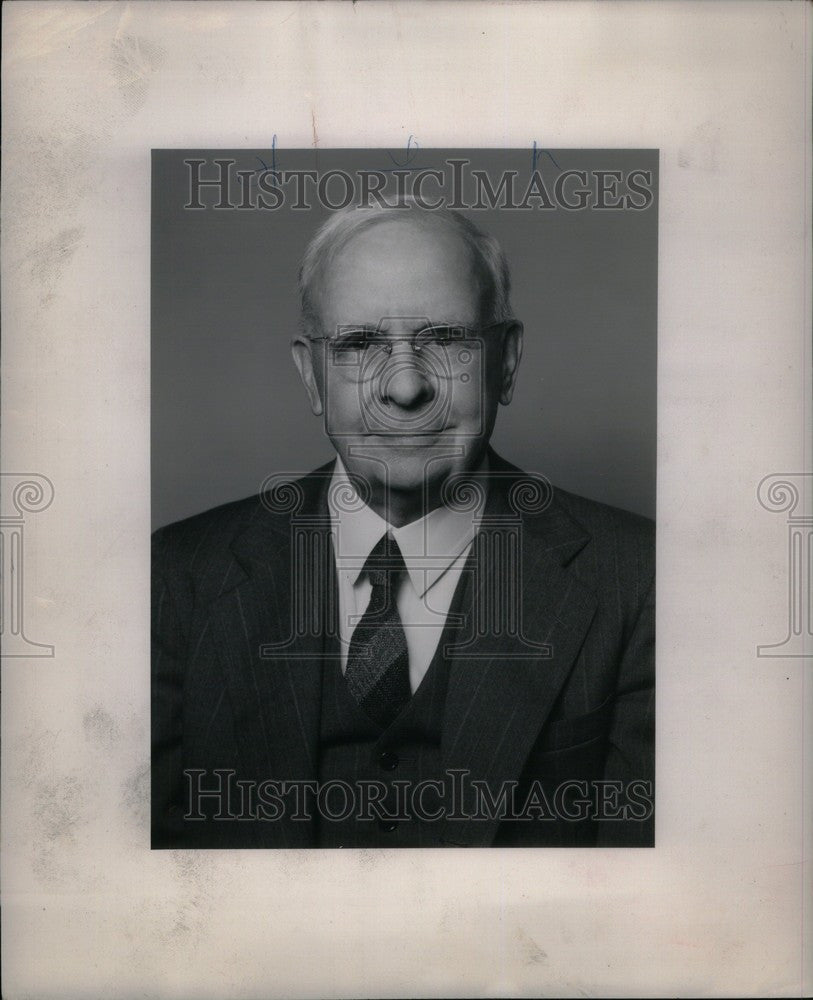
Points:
point(405, 470)
point(425, 641)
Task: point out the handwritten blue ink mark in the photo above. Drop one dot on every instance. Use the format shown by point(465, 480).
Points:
point(536, 153)
point(273, 167)
point(411, 151)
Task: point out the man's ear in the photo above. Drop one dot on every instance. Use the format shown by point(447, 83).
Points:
point(303, 359)
point(511, 355)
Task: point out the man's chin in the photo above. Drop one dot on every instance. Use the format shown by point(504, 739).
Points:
point(407, 468)
point(410, 462)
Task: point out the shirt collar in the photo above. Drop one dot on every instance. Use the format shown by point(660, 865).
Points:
point(429, 545)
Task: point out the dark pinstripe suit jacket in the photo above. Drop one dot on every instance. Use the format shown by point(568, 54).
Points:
point(565, 694)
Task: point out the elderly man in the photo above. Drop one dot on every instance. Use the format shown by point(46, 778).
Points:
point(418, 644)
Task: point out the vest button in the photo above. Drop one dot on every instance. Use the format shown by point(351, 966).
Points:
point(387, 826)
point(387, 760)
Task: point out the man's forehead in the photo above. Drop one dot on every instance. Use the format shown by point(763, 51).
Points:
point(393, 227)
point(403, 266)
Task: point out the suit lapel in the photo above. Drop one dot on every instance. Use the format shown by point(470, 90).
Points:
point(505, 679)
point(270, 636)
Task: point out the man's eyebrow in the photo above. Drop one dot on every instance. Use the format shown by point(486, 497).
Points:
point(424, 324)
point(356, 328)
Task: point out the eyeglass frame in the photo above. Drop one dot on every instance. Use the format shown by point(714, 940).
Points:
point(382, 339)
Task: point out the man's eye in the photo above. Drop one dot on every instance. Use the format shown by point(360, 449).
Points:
point(435, 335)
point(350, 342)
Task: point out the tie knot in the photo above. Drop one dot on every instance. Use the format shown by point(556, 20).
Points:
point(385, 563)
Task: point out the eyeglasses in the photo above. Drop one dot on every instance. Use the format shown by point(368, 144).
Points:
point(445, 345)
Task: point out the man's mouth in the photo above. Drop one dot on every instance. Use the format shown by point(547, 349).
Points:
point(417, 438)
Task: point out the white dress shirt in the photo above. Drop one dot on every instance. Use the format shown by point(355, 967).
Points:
point(434, 548)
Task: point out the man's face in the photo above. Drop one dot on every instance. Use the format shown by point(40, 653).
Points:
point(404, 420)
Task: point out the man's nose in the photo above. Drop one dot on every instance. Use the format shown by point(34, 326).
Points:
point(405, 381)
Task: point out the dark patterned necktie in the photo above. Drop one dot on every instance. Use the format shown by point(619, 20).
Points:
point(377, 671)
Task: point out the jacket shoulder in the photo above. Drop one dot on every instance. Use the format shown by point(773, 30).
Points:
point(597, 517)
point(619, 539)
point(597, 520)
point(201, 545)
point(182, 540)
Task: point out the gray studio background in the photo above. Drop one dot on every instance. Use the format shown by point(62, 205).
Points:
point(227, 404)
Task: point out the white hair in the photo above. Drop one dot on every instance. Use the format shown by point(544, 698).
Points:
point(347, 222)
